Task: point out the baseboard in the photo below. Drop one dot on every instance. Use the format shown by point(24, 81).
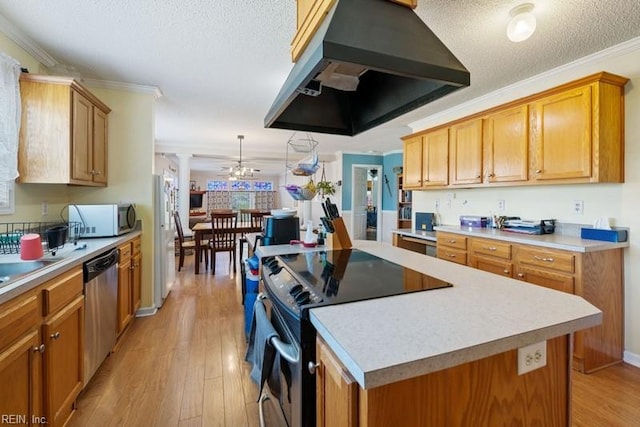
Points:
point(146, 311)
point(632, 358)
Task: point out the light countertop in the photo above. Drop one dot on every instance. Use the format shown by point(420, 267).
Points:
point(69, 256)
point(265, 251)
point(381, 341)
point(554, 241)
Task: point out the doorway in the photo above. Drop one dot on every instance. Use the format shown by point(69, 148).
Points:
point(366, 202)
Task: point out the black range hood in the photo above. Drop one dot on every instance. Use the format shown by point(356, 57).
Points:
point(369, 62)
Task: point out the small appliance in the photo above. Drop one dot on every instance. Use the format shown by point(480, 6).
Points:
point(103, 220)
point(280, 230)
point(425, 221)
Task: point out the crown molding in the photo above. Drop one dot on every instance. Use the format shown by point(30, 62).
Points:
point(22, 40)
point(129, 87)
point(498, 96)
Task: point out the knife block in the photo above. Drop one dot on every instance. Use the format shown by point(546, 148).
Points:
point(339, 239)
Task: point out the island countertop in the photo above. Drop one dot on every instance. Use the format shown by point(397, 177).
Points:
point(385, 340)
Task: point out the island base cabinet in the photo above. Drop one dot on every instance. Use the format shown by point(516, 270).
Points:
point(486, 392)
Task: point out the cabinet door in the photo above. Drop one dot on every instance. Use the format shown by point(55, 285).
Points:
point(82, 138)
point(136, 279)
point(64, 361)
point(124, 295)
point(20, 375)
point(465, 158)
point(563, 135)
point(412, 163)
point(548, 279)
point(99, 146)
point(337, 392)
point(506, 145)
point(435, 160)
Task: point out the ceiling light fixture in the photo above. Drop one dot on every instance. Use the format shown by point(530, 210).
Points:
point(239, 171)
point(522, 23)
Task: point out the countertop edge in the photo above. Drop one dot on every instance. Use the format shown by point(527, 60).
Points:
point(73, 257)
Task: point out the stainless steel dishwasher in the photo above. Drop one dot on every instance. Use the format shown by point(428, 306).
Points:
point(100, 310)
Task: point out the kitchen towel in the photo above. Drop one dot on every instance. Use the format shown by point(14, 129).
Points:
point(260, 352)
point(9, 117)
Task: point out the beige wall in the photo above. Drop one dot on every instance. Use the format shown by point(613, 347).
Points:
point(619, 202)
point(131, 140)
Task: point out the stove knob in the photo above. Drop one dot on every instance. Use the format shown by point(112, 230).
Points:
point(295, 290)
point(303, 297)
point(275, 270)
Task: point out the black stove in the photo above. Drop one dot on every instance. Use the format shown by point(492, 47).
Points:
point(296, 283)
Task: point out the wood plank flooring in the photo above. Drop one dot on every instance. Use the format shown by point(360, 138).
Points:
point(185, 367)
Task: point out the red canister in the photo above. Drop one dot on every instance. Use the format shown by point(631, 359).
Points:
point(31, 247)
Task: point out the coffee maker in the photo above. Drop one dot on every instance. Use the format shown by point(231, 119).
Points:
point(280, 230)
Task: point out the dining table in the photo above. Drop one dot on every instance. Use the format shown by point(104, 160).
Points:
point(203, 230)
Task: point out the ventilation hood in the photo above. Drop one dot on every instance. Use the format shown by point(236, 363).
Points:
point(369, 62)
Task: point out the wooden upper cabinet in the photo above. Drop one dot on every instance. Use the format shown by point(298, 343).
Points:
point(63, 134)
point(409, 3)
point(506, 145)
point(563, 135)
point(310, 14)
point(412, 163)
point(578, 133)
point(435, 156)
point(465, 153)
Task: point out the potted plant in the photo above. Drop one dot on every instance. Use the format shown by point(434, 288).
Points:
point(325, 188)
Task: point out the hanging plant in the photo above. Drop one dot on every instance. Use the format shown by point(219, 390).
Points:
point(323, 187)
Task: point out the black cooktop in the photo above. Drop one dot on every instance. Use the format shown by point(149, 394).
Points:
point(352, 275)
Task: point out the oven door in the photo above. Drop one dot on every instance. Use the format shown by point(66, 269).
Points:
point(280, 403)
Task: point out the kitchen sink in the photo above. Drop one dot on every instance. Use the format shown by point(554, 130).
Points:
point(12, 271)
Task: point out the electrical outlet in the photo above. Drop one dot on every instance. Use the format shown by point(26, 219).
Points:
point(532, 357)
point(449, 203)
point(578, 207)
point(502, 206)
point(437, 204)
point(45, 208)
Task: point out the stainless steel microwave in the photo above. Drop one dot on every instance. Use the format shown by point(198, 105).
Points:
point(103, 220)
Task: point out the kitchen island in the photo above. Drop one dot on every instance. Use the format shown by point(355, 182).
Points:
point(447, 356)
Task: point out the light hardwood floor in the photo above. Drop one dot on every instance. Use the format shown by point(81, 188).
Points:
point(185, 367)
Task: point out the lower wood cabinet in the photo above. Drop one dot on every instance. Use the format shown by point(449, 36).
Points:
point(129, 283)
point(484, 392)
point(595, 276)
point(42, 351)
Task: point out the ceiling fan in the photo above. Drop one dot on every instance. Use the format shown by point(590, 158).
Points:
point(241, 171)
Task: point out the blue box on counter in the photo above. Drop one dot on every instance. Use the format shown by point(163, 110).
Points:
point(473, 221)
point(604, 235)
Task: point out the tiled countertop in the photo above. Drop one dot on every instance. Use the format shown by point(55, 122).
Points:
point(70, 256)
point(381, 341)
point(555, 241)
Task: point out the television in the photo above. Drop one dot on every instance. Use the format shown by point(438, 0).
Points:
point(195, 200)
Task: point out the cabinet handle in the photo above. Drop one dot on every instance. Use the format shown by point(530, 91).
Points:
point(92, 172)
point(451, 241)
point(478, 176)
point(491, 175)
point(39, 349)
point(520, 274)
point(98, 173)
point(491, 248)
point(451, 255)
point(505, 271)
point(312, 367)
point(131, 267)
point(55, 336)
point(538, 171)
point(543, 259)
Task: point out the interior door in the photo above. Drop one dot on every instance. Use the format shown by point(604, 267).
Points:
point(359, 203)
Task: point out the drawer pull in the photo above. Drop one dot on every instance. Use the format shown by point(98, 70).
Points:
point(39, 349)
point(520, 274)
point(55, 336)
point(543, 259)
point(491, 248)
point(451, 241)
point(505, 271)
point(451, 255)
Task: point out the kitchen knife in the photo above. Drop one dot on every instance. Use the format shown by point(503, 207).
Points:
point(327, 224)
point(324, 209)
point(333, 209)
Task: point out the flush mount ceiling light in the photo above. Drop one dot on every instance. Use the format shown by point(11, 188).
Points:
point(522, 23)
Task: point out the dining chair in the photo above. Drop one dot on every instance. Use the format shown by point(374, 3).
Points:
point(223, 238)
point(254, 218)
point(185, 245)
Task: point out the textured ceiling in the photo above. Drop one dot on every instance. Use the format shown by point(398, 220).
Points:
point(220, 63)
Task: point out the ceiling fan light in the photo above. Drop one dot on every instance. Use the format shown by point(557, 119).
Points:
point(522, 24)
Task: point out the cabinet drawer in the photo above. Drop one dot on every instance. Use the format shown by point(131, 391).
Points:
point(18, 316)
point(556, 260)
point(452, 240)
point(495, 266)
point(491, 248)
point(125, 251)
point(452, 255)
point(548, 279)
point(136, 246)
point(61, 290)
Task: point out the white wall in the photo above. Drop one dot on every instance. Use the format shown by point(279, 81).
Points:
point(620, 202)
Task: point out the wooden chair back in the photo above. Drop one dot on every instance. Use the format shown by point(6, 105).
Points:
point(257, 221)
point(223, 228)
point(176, 219)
